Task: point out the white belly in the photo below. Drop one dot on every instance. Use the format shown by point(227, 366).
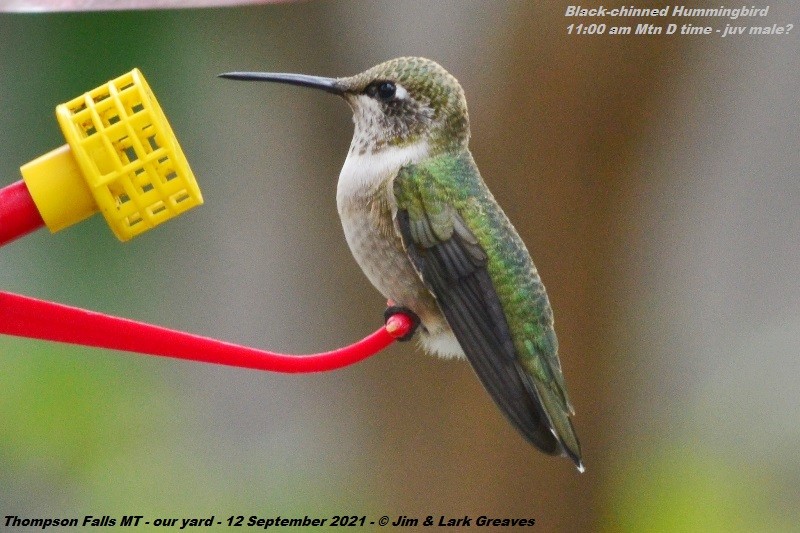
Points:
point(367, 208)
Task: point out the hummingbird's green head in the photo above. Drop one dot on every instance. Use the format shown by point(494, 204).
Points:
point(405, 101)
point(401, 102)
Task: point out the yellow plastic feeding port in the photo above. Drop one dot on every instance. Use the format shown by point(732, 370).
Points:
point(121, 158)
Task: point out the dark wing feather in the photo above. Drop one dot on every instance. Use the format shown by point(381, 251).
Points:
point(454, 269)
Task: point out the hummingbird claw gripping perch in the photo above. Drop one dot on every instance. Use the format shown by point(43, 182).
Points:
point(121, 158)
point(394, 311)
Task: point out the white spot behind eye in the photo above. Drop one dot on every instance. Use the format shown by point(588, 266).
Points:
point(400, 92)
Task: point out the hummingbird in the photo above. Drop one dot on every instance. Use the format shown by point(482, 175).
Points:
point(428, 234)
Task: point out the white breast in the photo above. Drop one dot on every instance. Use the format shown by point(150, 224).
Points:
point(382, 259)
point(363, 172)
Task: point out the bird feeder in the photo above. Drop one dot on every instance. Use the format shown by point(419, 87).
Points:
point(123, 160)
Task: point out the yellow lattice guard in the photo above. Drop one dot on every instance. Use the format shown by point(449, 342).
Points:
point(121, 158)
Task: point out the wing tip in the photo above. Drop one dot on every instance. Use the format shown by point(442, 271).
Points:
point(575, 458)
point(571, 448)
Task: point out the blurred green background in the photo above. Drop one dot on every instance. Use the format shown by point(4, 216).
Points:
point(654, 179)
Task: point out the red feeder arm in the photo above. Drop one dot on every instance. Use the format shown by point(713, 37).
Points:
point(23, 316)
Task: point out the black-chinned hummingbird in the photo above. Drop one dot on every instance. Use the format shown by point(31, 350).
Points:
point(430, 236)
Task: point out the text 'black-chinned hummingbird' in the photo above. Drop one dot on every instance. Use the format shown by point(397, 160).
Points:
point(429, 235)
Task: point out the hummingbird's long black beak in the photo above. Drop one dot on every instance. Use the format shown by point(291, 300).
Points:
point(330, 85)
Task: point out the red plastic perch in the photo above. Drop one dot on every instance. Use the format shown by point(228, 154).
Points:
point(23, 316)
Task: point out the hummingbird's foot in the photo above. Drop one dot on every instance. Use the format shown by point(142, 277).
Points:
point(395, 309)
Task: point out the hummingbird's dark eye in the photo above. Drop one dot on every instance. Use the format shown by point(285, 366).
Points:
point(385, 90)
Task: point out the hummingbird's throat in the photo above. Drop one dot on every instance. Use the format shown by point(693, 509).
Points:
point(380, 125)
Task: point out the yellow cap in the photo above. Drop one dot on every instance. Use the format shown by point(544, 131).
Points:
point(121, 158)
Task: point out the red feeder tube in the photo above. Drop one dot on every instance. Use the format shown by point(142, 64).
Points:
point(18, 214)
point(23, 316)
